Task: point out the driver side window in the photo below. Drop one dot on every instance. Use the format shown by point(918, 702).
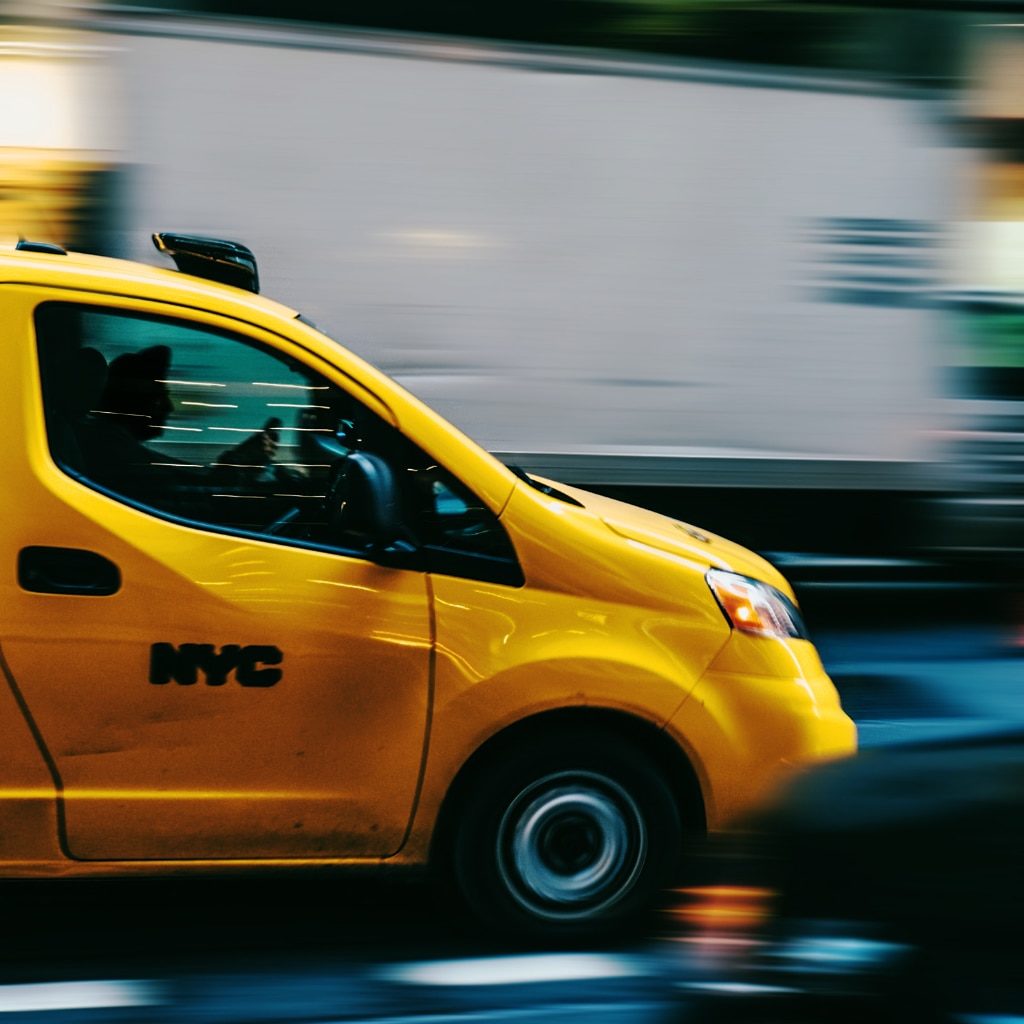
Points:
point(199, 425)
point(185, 420)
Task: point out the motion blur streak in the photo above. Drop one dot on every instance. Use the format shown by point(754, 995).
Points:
point(897, 879)
point(724, 908)
point(78, 995)
point(517, 969)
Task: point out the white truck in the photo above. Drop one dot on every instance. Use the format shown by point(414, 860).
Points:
point(619, 272)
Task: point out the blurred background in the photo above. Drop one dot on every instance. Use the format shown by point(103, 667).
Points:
point(755, 264)
point(759, 265)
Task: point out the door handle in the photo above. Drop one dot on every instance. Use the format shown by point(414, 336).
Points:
point(46, 570)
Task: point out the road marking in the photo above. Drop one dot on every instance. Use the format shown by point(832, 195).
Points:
point(736, 988)
point(518, 970)
point(77, 995)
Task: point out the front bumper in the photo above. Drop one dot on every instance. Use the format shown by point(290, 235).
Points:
point(764, 709)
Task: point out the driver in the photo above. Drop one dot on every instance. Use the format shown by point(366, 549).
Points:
point(133, 410)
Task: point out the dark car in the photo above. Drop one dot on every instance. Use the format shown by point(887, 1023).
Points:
point(890, 887)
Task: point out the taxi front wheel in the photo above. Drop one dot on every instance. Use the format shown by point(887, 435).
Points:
point(567, 838)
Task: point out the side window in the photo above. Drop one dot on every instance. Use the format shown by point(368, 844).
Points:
point(460, 535)
point(204, 426)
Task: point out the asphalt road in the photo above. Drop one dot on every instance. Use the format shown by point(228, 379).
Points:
point(323, 948)
point(301, 949)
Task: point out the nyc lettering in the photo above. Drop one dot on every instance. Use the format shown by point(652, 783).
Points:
point(183, 664)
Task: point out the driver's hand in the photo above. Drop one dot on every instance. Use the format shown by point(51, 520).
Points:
point(258, 450)
point(271, 438)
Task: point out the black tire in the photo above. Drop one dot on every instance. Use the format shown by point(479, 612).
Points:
point(565, 837)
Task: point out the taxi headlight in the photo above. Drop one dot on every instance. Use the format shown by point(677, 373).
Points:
point(755, 607)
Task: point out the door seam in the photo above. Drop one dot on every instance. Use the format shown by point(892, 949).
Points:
point(51, 764)
point(428, 724)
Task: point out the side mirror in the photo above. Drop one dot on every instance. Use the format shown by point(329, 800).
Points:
point(365, 509)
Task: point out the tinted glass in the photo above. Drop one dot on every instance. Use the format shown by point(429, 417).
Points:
point(211, 428)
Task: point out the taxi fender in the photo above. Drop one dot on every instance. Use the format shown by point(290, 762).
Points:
point(467, 720)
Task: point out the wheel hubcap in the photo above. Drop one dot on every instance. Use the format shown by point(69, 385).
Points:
point(571, 844)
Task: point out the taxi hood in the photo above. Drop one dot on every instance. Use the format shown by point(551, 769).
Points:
point(675, 537)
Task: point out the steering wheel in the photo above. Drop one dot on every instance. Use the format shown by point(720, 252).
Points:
point(333, 447)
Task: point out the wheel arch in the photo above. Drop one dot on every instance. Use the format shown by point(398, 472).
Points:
point(667, 756)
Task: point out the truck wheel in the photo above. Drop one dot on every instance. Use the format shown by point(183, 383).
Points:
point(566, 838)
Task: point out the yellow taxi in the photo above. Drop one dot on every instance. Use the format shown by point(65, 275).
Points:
point(262, 607)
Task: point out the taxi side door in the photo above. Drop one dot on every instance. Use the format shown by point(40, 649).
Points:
point(210, 678)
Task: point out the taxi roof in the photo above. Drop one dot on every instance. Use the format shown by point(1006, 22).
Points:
point(127, 277)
